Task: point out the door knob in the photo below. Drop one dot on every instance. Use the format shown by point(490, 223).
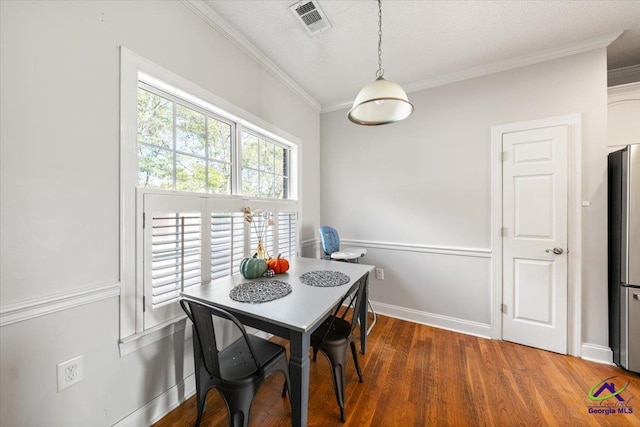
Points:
point(557, 251)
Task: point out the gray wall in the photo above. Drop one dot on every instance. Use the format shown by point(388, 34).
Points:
point(60, 193)
point(418, 193)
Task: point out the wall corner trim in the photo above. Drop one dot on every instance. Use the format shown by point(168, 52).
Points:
point(30, 309)
point(200, 8)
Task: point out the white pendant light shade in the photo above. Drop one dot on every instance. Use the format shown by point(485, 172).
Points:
point(380, 103)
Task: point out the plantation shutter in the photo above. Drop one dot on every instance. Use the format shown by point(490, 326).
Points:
point(280, 237)
point(287, 234)
point(258, 225)
point(174, 253)
point(227, 243)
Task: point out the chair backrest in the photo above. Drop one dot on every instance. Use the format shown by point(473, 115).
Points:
point(329, 239)
point(359, 299)
point(201, 315)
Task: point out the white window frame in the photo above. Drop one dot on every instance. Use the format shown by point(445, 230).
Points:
point(131, 67)
point(210, 116)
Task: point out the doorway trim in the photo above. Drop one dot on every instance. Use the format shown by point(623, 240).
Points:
point(574, 226)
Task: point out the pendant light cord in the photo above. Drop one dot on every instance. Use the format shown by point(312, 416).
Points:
point(380, 72)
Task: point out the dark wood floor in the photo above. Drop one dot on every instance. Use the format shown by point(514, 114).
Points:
point(416, 375)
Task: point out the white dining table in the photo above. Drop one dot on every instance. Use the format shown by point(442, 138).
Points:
point(294, 316)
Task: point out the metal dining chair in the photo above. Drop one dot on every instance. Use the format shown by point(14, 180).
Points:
point(333, 337)
point(238, 370)
point(330, 240)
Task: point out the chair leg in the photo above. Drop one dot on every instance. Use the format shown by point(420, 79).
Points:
point(283, 367)
point(200, 403)
point(238, 405)
point(355, 359)
point(201, 378)
point(338, 386)
point(337, 359)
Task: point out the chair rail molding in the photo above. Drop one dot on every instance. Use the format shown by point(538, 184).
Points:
point(309, 242)
point(412, 247)
point(30, 309)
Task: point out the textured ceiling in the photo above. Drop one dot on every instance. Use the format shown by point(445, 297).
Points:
point(423, 39)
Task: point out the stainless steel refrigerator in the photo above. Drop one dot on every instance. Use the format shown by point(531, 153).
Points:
point(624, 256)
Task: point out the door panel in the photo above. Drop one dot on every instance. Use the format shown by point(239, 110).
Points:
point(535, 222)
point(534, 291)
point(533, 210)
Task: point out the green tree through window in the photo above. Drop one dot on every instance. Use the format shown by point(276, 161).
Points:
point(264, 167)
point(184, 147)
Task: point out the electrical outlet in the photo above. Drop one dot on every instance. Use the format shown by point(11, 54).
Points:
point(379, 274)
point(69, 372)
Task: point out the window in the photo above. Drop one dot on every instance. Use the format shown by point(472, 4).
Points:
point(190, 164)
point(181, 147)
point(264, 167)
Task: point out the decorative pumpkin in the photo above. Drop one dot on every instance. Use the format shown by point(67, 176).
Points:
point(252, 268)
point(278, 265)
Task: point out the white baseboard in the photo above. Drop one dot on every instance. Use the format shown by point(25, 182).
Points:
point(153, 411)
point(597, 353)
point(436, 320)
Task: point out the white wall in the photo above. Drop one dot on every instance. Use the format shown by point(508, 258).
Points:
point(60, 189)
point(418, 193)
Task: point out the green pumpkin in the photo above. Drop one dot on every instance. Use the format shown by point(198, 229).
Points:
point(252, 268)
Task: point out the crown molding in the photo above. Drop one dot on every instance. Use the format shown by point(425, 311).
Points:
point(630, 73)
point(496, 67)
point(623, 91)
point(200, 8)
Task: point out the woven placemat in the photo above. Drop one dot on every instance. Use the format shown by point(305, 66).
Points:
point(260, 291)
point(324, 278)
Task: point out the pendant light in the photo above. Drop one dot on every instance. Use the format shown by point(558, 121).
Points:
point(383, 101)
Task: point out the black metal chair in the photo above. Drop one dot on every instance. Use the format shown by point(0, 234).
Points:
point(235, 371)
point(334, 336)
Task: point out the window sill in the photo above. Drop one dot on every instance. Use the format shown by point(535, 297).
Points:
point(140, 340)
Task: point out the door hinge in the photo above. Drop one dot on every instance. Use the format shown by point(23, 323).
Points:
point(503, 308)
point(503, 156)
point(144, 220)
point(144, 303)
point(503, 231)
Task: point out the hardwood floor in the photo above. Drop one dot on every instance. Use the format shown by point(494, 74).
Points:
point(416, 375)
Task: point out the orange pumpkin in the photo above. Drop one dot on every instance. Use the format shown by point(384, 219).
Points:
point(278, 265)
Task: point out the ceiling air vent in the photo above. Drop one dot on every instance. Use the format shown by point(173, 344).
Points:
point(311, 16)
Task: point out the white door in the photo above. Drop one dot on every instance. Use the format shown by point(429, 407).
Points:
point(535, 164)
